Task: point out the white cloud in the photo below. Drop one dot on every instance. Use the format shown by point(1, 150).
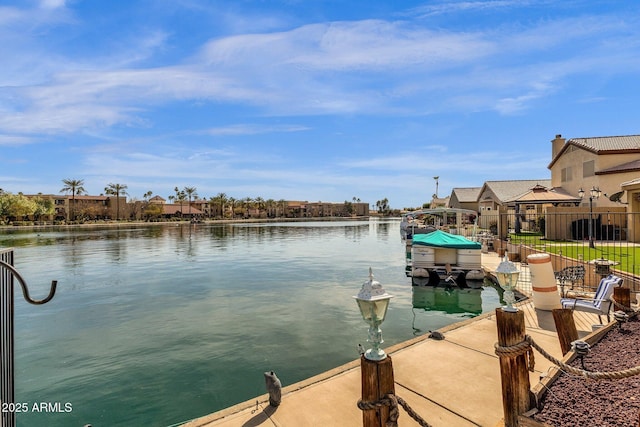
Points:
point(368, 66)
point(52, 4)
point(449, 7)
point(12, 140)
point(253, 129)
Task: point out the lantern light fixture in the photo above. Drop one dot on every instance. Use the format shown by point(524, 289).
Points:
point(373, 302)
point(507, 275)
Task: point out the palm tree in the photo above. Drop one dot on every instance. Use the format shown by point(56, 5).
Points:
point(190, 192)
point(259, 203)
point(220, 200)
point(180, 197)
point(247, 203)
point(232, 202)
point(75, 187)
point(270, 203)
point(116, 190)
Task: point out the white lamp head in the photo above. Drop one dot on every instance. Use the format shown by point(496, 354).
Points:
point(507, 275)
point(373, 302)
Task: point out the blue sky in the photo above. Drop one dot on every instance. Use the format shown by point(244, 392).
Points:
point(307, 99)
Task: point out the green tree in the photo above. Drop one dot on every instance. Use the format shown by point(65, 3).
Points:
point(75, 187)
point(348, 207)
point(4, 206)
point(116, 190)
point(20, 206)
point(383, 206)
point(44, 206)
point(153, 210)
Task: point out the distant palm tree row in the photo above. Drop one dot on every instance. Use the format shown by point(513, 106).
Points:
point(219, 206)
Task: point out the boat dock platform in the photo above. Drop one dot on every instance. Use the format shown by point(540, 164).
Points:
point(451, 382)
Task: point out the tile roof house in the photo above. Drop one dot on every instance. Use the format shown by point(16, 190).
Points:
point(497, 196)
point(464, 198)
point(603, 162)
point(169, 210)
point(502, 193)
point(610, 164)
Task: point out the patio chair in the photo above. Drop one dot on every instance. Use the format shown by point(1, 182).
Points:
point(601, 302)
point(572, 274)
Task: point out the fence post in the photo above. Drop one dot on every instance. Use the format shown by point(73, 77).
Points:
point(566, 327)
point(377, 381)
point(513, 369)
point(7, 370)
point(8, 418)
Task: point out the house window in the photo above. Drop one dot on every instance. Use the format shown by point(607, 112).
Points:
point(566, 174)
point(589, 168)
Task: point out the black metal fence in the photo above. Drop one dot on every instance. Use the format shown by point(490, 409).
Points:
point(595, 242)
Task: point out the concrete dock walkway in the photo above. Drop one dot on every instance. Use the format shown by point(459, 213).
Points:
point(452, 382)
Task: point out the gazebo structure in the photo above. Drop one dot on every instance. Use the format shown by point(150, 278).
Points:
point(537, 197)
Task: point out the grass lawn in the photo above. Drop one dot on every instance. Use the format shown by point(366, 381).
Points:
point(627, 255)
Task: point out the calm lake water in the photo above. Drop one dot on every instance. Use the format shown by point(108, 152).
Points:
point(156, 325)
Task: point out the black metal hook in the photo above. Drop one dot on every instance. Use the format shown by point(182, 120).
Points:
point(25, 289)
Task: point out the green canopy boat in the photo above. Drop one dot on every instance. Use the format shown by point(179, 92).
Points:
point(441, 239)
point(439, 256)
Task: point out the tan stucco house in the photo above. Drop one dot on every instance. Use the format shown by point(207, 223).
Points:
point(603, 162)
point(464, 198)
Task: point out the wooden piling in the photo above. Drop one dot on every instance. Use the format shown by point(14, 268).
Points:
point(377, 381)
point(565, 327)
point(623, 297)
point(513, 368)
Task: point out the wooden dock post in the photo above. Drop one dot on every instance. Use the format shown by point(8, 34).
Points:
point(377, 381)
point(513, 368)
point(565, 327)
point(623, 297)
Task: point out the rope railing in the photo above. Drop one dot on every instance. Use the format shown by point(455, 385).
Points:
point(617, 305)
point(529, 343)
point(392, 401)
point(525, 347)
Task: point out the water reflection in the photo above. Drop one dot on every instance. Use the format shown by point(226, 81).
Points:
point(428, 301)
point(448, 300)
point(162, 323)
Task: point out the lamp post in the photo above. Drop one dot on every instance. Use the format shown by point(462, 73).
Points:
point(373, 302)
point(507, 275)
point(376, 367)
point(594, 194)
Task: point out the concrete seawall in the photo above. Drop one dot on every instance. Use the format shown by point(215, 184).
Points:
point(452, 382)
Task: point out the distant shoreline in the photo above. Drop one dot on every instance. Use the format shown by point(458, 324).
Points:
point(113, 224)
